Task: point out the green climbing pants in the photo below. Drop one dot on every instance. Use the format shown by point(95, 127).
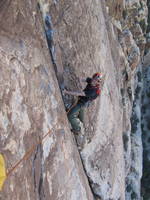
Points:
point(75, 115)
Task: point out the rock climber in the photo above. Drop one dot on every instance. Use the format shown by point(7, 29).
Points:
point(90, 93)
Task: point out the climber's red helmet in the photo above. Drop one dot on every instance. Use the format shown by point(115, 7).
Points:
point(96, 79)
point(97, 75)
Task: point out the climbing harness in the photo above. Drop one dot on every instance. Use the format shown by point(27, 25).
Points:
point(72, 105)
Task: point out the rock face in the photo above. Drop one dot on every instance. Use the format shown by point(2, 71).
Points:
point(46, 46)
point(145, 128)
point(31, 104)
point(103, 141)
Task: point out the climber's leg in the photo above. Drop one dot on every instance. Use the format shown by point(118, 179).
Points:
point(73, 117)
point(81, 114)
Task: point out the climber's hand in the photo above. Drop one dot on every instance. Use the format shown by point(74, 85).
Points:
point(64, 91)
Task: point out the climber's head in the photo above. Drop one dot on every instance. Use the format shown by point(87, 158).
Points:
point(96, 79)
point(97, 75)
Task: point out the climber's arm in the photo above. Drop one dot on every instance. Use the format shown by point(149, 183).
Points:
point(76, 93)
point(83, 80)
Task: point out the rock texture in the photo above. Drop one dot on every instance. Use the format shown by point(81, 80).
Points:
point(131, 21)
point(31, 104)
point(83, 37)
point(146, 128)
point(81, 24)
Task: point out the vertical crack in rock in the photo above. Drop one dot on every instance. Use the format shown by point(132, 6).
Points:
point(49, 31)
point(40, 188)
point(37, 171)
point(33, 171)
point(49, 35)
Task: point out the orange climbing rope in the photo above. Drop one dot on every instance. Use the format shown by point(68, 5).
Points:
point(3, 174)
point(27, 155)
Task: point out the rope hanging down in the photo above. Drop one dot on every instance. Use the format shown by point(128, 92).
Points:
point(3, 174)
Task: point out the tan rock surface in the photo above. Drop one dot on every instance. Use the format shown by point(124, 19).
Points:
point(83, 37)
point(31, 104)
point(87, 47)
